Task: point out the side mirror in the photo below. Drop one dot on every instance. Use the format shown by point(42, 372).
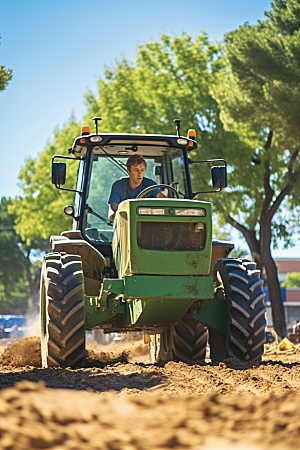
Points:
point(58, 173)
point(219, 177)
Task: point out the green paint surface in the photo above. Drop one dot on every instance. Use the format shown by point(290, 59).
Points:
point(159, 312)
point(131, 259)
point(141, 286)
point(93, 315)
point(212, 313)
point(147, 287)
point(115, 285)
point(140, 299)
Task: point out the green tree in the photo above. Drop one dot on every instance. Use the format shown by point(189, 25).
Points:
point(5, 76)
point(39, 211)
point(14, 287)
point(171, 78)
point(259, 95)
point(19, 266)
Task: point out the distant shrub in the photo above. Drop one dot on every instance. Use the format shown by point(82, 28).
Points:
point(292, 280)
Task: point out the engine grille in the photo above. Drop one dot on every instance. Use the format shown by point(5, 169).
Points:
point(170, 236)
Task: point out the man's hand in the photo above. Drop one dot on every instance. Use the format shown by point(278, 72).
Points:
point(113, 207)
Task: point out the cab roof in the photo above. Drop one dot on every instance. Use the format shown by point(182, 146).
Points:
point(113, 144)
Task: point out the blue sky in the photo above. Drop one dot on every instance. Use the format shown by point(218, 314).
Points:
point(59, 48)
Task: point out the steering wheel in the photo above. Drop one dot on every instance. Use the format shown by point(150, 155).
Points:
point(156, 186)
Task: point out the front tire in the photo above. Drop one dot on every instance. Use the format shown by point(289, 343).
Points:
point(62, 311)
point(185, 342)
point(245, 328)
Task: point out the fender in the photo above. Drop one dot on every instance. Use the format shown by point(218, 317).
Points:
point(220, 249)
point(93, 262)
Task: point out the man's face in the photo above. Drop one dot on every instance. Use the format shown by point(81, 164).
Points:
point(136, 174)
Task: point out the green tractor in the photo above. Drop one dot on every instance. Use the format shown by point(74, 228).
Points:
point(155, 269)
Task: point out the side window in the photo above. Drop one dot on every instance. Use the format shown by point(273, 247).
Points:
point(79, 187)
point(178, 170)
point(104, 174)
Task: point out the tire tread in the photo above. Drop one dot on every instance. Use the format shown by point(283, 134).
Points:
point(64, 344)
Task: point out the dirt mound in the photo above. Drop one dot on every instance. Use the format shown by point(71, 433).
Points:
point(99, 356)
point(35, 417)
point(25, 352)
point(119, 399)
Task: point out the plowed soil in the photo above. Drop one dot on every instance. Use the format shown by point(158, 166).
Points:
point(121, 401)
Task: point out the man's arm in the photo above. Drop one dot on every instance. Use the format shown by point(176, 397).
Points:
point(160, 195)
point(114, 199)
point(113, 207)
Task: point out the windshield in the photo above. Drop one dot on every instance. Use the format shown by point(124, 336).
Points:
point(164, 169)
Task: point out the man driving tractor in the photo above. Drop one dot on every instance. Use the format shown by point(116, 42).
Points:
point(129, 188)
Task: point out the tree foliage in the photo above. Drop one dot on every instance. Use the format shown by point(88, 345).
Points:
point(19, 266)
point(259, 95)
point(5, 76)
point(39, 211)
point(292, 280)
point(14, 287)
point(171, 78)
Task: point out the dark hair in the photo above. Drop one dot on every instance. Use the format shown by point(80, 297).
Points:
point(135, 160)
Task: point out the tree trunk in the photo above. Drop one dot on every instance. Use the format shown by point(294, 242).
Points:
point(261, 254)
point(33, 281)
point(278, 315)
point(28, 272)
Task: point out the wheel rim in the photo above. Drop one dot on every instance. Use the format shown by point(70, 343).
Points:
point(44, 326)
point(154, 347)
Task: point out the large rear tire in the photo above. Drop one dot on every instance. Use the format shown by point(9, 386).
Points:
point(62, 311)
point(185, 342)
point(245, 323)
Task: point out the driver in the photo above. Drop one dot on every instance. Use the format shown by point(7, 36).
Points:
point(129, 188)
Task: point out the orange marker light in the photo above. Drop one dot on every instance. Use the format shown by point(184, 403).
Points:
point(191, 135)
point(82, 141)
point(85, 130)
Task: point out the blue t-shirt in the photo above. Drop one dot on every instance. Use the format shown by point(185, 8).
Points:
point(121, 190)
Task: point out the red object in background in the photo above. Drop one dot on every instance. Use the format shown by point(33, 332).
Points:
point(294, 337)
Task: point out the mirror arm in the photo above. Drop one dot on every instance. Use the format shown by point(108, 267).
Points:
point(66, 189)
point(207, 161)
point(206, 192)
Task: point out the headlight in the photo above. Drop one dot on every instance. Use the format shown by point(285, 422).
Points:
point(96, 139)
point(190, 212)
point(150, 211)
point(69, 210)
point(182, 141)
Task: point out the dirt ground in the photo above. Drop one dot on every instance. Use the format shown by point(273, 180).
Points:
point(121, 401)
